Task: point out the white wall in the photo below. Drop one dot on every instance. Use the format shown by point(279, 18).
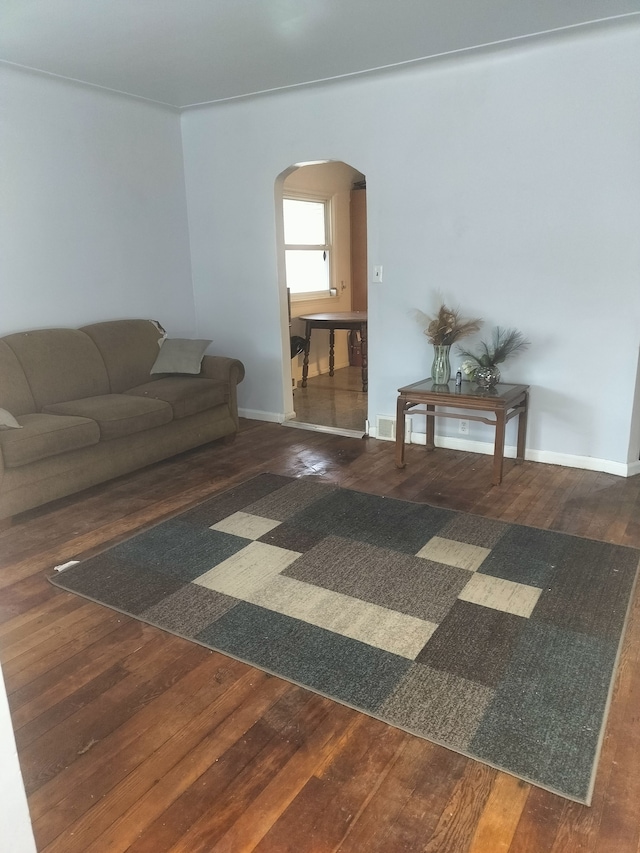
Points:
point(508, 181)
point(93, 221)
point(16, 835)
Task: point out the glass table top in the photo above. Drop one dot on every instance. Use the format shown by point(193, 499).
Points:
point(467, 389)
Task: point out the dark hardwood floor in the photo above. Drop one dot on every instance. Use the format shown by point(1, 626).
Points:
point(131, 739)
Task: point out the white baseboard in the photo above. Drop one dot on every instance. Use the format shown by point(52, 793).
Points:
point(258, 415)
point(348, 433)
point(588, 463)
point(547, 457)
point(633, 468)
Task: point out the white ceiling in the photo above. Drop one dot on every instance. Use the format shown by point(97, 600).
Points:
point(186, 52)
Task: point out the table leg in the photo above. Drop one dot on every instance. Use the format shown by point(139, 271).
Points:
point(522, 428)
point(400, 412)
point(363, 353)
point(332, 346)
point(498, 451)
point(307, 345)
point(431, 427)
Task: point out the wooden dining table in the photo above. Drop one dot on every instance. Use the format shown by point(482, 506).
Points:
point(350, 320)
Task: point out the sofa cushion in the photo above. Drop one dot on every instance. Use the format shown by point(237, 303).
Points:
point(60, 365)
point(187, 395)
point(15, 394)
point(180, 355)
point(117, 414)
point(42, 436)
point(128, 348)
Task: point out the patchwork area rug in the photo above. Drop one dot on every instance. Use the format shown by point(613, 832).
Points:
point(496, 640)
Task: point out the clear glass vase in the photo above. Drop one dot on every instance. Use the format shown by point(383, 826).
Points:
point(441, 367)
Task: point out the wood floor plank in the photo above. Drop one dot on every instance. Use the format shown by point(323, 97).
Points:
point(405, 810)
point(24, 595)
point(46, 712)
point(458, 821)
point(102, 630)
point(235, 780)
point(321, 814)
point(132, 741)
point(58, 747)
point(178, 711)
point(165, 789)
point(12, 646)
point(191, 748)
point(497, 824)
point(538, 825)
point(77, 690)
point(331, 736)
point(31, 620)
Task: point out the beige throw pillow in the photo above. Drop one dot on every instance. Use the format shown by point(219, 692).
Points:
point(7, 421)
point(179, 355)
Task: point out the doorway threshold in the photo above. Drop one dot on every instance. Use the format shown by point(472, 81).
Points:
point(349, 433)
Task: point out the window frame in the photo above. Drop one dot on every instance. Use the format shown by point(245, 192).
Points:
point(327, 200)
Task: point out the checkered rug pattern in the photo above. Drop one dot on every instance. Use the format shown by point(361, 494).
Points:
point(496, 640)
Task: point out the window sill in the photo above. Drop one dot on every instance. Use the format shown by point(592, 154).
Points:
point(314, 295)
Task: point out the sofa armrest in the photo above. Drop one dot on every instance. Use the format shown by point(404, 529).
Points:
point(225, 370)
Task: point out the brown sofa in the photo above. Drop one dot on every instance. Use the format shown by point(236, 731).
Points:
point(86, 408)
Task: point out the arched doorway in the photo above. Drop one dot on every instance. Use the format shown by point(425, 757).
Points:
point(319, 278)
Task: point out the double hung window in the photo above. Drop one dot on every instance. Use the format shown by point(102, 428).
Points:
point(307, 246)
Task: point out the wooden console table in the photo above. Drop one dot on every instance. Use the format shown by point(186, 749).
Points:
point(339, 320)
point(504, 401)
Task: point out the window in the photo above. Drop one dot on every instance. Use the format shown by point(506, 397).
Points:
point(307, 246)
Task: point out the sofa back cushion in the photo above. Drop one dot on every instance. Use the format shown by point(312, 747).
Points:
point(129, 349)
point(59, 364)
point(15, 394)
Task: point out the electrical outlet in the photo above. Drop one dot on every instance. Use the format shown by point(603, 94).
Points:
point(463, 427)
